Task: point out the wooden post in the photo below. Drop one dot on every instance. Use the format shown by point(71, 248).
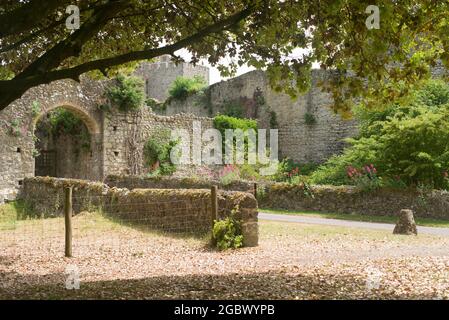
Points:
point(68, 221)
point(255, 190)
point(214, 204)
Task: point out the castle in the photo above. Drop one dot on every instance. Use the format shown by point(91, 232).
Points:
point(308, 130)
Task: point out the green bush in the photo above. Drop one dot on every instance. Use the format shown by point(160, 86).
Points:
point(309, 119)
point(157, 153)
point(63, 121)
point(407, 141)
point(227, 233)
point(223, 122)
point(233, 109)
point(289, 170)
point(128, 94)
point(182, 87)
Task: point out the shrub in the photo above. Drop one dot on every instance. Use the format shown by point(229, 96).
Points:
point(365, 179)
point(223, 122)
point(227, 233)
point(182, 87)
point(127, 94)
point(408, 140)
point(157, 153)
point(229, 174)
point(289, 169)
point(309, 119)
point(65, 122)
point(233, 109)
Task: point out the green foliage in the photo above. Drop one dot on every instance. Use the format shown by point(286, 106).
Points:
point(407, 141)
point(293, 172)
point(413, 34)
point(233, 109)
point(65, 122)
point(127, 94)
point(261, 192)
point(309, 119)
point(14, 128)
point(273, 120)
point(183, 87)
point(227, 233)
point(229, 174)
point(35, 108)
point(157, 153)
point(249, 171)
point(223, 122)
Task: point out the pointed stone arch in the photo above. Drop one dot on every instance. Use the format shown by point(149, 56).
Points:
point(89, 121)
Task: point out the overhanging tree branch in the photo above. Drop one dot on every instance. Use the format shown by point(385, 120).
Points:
point(13, 89)
point(27, 16)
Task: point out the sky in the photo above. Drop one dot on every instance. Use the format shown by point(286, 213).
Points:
point(214, 74)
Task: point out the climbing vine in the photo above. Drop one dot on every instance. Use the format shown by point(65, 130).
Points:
point(65, 122)
point(157, 152)
point(127, 94)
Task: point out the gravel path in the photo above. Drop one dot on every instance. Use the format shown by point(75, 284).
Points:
point(347, 223)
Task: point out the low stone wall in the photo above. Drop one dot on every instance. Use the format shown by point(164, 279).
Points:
point(346, 199)
point(180, 210)
point(139, 182)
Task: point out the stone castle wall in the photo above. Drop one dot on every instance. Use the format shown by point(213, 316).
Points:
point(297, 140)
point(158, 76)
point(350, 200)
point(18, 122)
point(117, 138)
point(125, 135)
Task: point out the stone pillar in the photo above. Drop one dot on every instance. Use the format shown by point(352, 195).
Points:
point(406, 223)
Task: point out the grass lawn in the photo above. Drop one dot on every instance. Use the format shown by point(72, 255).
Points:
point(428, 222)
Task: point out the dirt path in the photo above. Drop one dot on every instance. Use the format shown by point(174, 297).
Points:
point(347, 223)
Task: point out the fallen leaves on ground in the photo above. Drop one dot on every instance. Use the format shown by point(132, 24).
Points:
point(292, 262)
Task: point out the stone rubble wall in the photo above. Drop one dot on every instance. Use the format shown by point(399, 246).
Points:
point(158, 76)
point(119, 129)
point(143, 182)
point(297, 140)
point(172, 210)
point(18, 121)
point(347, 200)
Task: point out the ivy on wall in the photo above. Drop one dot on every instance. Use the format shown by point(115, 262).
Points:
point(62, 121)
point(157, 153)
point(127, 94)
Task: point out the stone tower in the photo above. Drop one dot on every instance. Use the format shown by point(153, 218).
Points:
point(159, 76)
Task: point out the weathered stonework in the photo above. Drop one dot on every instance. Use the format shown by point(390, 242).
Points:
point(173, 210)
point(297, 139)
point(159, 76)
point(117, 138)
point(139, 182)
point(347, 200)
point(18, 121)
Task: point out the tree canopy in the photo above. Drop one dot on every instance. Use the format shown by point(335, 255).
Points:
point(36, 47)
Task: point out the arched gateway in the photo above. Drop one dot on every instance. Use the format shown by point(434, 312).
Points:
point(19, 122)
